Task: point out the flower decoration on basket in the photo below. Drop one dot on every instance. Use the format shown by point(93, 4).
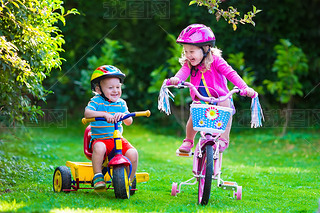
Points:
point(202, 122)
point(212, 113)
point(218, 124)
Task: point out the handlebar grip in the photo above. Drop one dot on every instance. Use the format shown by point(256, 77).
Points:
point(146, 113)
point(87, 120)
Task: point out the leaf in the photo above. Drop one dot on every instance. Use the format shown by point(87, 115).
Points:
point(192, 2)
point(15, 4)
point(234, 26)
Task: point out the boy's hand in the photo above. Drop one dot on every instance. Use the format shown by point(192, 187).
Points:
point(174, 80)
point(117, 116)
point(109, 118)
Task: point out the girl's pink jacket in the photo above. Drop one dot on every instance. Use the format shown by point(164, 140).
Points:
point(216, 77)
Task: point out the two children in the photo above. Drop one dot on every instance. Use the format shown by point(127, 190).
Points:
point(207, 70)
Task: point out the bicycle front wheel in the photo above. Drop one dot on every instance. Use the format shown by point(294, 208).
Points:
point(206, 172)
point(120, 182)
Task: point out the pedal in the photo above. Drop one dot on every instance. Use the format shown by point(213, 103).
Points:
point(142, 177)
point(227, 185)
point(184, 154)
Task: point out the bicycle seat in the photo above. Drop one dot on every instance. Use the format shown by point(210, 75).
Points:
point(86, 143)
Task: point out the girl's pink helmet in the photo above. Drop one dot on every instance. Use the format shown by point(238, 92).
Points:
point(197, 34)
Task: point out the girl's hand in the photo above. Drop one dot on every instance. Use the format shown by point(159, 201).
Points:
point(249, 92)
point(174, 80)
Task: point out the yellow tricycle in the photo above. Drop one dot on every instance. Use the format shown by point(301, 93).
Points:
point(68, 178)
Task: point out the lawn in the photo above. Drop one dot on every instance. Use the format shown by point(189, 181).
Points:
point(277, 174)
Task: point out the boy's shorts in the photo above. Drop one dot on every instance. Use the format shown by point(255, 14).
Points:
point(109, 143)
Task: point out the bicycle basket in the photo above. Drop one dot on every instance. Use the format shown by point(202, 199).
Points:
point(210, 118)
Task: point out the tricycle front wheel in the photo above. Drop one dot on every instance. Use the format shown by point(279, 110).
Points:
point(61, 179)
point(120, 182)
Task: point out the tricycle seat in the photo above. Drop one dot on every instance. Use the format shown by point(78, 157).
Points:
point(86, 143)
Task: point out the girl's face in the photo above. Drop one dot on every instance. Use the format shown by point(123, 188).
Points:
point(193, 54)
point(111, 88)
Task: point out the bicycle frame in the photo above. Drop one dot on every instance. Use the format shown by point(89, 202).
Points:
point(200, 158)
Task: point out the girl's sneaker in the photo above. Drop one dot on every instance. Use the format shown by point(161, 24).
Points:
point(98, 182)
point(223, 145)
point(186, 148)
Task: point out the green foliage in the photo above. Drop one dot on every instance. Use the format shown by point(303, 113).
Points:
point(231, 15)
point(295, 20)
point(247, 73)
point(30, 48)
point(110, 55)
point(168, 70)
point(291, 64)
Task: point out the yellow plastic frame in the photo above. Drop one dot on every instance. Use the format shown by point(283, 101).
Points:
point(84, 171)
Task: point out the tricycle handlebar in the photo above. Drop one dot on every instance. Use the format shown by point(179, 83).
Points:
point(146, 113)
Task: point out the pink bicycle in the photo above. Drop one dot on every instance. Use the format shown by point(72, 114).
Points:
point(211, 121)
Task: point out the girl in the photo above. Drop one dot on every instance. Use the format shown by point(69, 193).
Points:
point(209, 72)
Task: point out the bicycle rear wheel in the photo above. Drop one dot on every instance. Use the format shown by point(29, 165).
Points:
point(206, 172)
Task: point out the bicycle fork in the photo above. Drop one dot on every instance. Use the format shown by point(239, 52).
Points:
point(217, 160)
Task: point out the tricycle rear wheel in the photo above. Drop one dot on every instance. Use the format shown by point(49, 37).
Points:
point(61, 179)
point(120, 182)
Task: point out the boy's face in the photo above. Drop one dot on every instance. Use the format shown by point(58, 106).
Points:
point(193, 53)
point(111, 88)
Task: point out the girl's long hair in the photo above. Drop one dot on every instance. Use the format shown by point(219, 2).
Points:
point(207, 61)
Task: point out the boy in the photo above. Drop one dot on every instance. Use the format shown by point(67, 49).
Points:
point(106, 83)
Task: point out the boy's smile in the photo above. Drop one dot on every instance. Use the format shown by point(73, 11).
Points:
point(111, 88)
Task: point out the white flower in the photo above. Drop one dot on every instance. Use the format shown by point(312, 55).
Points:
point(212, 113)
point(202, 122)
point(218, 124)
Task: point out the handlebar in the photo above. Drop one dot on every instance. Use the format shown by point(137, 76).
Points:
point(146, 113)
point(211, 100)
point(165, 94)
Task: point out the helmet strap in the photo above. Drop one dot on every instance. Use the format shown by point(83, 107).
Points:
point(195, 70)
point(204, 54)
point(103, 95)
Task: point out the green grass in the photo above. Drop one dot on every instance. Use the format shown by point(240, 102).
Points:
point(277, 174)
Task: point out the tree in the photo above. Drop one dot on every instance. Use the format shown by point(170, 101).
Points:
point(30, 46)
point(110, 55)
point(231, 15)
point(179, 105)
point(291, 63)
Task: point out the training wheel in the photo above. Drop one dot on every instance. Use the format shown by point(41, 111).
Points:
point(174, 189)
point(238, 194)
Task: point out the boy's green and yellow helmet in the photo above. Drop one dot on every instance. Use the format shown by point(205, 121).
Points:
point(106, 71)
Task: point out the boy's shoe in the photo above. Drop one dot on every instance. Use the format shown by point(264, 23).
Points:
point(98, 182)
point(186, 148)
